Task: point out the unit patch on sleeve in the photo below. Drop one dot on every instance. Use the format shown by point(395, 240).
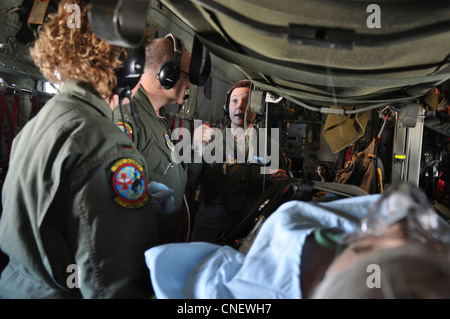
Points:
point(125, 127)
point(129, 183)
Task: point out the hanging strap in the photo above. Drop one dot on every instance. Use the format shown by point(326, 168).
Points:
point(34, 104)
point(197, 75)
point(4, 113)
point(15, 110)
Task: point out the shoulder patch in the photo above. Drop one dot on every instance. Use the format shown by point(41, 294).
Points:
point(125, 127)
point(129, 183)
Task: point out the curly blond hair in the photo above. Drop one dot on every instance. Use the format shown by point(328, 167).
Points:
point(63, 52)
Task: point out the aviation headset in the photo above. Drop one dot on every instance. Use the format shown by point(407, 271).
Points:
point(128, 76)
point(240, 84)
point(169, 72)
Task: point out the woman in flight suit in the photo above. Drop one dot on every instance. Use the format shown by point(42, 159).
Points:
point(77, 215)
point(230, 187)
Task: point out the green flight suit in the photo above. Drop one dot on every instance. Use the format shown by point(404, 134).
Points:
point(75, 202)
point(153, 140)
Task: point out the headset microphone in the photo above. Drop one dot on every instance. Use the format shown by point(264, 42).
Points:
point(241, 116)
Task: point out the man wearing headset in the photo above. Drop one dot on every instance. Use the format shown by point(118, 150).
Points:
point(163, 82)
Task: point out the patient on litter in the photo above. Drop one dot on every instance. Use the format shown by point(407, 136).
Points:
point(392, 245)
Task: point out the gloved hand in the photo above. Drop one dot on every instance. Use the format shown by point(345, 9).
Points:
point(162, 197)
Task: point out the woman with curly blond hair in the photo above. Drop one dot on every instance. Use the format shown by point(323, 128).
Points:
point(77, 215)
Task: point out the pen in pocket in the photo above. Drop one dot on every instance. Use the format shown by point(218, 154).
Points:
point(167, 168)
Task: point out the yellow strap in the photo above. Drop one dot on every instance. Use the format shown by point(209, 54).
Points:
point(380, 178)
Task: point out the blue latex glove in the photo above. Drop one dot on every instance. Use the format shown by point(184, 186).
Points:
point(162, 197)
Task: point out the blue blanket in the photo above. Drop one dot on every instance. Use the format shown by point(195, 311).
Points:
point(270, 269)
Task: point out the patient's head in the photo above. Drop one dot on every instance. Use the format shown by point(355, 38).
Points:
point(384, 268)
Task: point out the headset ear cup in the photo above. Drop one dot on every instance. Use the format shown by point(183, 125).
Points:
point(226, 109)
point(129, 74)
point(168, 74)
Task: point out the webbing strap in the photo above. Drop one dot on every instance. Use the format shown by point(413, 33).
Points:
point(15, 111)
point(4, 113)
point(34, 104)
point(197, 75)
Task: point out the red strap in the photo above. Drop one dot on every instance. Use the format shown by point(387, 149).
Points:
point(4, 112)
point(15, 110)
point(34, 104)
point(174, 123)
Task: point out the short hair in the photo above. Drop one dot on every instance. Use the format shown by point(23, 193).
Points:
point(240, 84)
point(157, 52)
point(406, 272)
